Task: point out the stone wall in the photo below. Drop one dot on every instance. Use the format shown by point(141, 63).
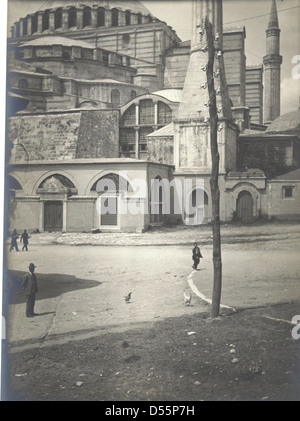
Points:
point(161, 149)
point(44, 137)
point(65, 136)
point(98, 135)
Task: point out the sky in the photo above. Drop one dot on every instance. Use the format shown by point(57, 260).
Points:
point(254, 15)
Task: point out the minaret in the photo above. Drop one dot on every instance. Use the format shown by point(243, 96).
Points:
point(191, 129)
point(272, 62)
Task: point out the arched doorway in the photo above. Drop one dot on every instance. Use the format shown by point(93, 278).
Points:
point(245, 206)
point(54, 192)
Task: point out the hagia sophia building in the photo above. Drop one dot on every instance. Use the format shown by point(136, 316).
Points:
point(103, 90)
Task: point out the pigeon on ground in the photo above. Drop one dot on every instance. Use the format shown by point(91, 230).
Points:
point(187, 298)
point(127, 297)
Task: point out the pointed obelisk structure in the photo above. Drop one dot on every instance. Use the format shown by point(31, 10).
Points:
point(191, 129)
point(272, 63)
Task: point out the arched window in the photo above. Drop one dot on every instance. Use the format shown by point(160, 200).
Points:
point(72, 21)
point(114, 17)
point(87, 17)
point(56, 183)
point(115, 97)
point(45, 20)
point(111, 182)
point(127, 17)
point(100, 17)
point(146, 111)
point(58, 18)
point(34, 24)
point(164, 113)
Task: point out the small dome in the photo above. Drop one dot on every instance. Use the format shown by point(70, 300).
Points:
point(288, 123)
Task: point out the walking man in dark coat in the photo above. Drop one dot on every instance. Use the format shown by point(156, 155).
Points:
point(14, 238)
point(30, 289)
point(24, 238)
point(196, 256)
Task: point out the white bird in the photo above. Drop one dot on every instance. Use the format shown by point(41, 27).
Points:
point(127, 297)
point(187, 298)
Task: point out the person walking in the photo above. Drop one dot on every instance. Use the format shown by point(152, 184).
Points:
point(30, 289)
point(196, 256)
point(24, 238)
point(14, 238)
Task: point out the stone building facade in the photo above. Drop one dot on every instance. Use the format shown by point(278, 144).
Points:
point(103, 91)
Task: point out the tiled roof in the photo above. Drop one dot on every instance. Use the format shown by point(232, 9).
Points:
point(54, 40)
point(286, 123)
point(164, 131)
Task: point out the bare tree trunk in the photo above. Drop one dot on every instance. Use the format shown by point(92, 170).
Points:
point(214, 181)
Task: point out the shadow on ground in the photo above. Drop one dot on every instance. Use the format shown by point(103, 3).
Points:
point(49, 285)
point(249, 355)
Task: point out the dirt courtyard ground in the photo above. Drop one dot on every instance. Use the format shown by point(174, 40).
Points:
point(88, 344)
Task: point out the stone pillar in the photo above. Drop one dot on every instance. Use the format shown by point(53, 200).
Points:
point(65, 19)
point(137, 137)
point(79, 19)
point(94, 18)
point(41, 217)
point(29, 25)
point(134, 19)
point(108, 17)
point(137, 114)
point(52, 21)
point(155, 113)
point(21, 27)
point(40, 22)
point(122, 21)
point(65, 205)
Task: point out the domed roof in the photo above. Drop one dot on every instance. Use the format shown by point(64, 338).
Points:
point(134, 5)
point(54, 40)
point(288, 123)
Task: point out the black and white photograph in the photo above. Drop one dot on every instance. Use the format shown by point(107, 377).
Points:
point(151, 203)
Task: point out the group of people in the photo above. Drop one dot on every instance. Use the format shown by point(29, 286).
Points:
point(24, 238)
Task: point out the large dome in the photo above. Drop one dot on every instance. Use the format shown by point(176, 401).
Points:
point(133, 5)
point(288, 123)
